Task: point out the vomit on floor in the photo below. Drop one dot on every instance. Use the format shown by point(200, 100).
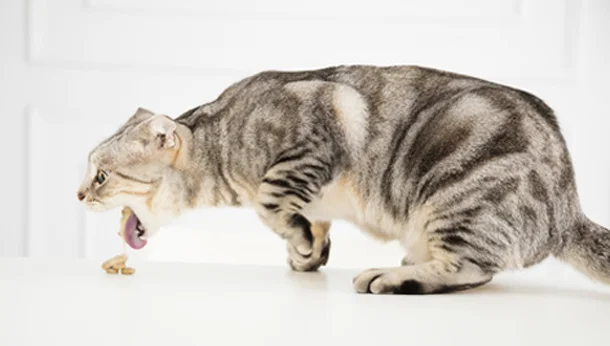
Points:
point(118, 263)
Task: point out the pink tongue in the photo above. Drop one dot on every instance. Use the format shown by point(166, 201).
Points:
point(131, 235)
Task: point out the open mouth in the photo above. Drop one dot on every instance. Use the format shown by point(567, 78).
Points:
point(134, 232)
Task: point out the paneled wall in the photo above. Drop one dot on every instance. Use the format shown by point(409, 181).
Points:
point(72, 70)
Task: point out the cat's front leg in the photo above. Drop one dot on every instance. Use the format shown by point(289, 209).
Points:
point(286, 189)
point(308, 243)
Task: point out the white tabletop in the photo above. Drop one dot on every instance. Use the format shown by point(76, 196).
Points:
point(71, 302)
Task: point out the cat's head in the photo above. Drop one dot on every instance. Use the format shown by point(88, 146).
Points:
point(131, 168)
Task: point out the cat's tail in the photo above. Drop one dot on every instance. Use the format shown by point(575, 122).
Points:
point(587, 248)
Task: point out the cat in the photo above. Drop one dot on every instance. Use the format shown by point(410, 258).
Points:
point(471, 177)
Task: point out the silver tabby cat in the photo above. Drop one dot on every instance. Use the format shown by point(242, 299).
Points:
point(471, 177)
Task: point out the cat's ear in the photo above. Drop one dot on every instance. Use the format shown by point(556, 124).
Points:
point(143, 112)
point(140, 115)
point(164, 128)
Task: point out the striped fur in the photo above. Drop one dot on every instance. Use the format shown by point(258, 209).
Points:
point(471, 177)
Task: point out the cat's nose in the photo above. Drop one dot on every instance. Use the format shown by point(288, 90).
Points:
point(80, 195)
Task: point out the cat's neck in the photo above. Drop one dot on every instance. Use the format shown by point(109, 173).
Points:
point(200, 163)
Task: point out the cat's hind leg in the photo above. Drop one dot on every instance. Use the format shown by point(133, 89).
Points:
point(431, 277)
point(442, 260)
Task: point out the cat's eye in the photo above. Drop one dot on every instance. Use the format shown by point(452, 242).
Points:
point(101, 176)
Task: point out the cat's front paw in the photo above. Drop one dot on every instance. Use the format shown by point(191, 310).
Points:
point(305, 259)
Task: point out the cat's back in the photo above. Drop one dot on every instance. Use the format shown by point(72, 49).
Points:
point(379, 85)
point(387, 90)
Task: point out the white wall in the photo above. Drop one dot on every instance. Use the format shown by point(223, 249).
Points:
point(72, 70)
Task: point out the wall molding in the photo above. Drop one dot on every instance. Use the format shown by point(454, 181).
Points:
point(316, 9)
point(52, 228)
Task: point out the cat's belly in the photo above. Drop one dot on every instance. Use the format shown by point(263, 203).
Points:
point(337, 202)
point(341, 201)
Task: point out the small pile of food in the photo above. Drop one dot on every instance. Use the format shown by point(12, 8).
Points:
point(118, 263)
